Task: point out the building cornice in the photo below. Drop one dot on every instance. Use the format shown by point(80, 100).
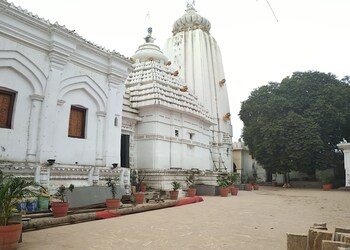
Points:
point(37, 32)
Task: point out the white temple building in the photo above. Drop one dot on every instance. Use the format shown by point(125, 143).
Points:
point(60, 100)
point(65, 99)
point(174, 128)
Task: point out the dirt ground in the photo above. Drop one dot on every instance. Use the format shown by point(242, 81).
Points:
point(252, 220)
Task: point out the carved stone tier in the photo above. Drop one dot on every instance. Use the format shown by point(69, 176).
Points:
point(20, 169)
point(153, 83)
point(162, 179)
point(54, 176)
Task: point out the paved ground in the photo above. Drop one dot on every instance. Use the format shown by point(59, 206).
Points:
point(252, 220)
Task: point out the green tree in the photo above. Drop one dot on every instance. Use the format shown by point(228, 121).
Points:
point(296, 124)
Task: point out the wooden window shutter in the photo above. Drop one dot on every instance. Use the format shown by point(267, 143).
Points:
point(77, 122)
point(6, 108)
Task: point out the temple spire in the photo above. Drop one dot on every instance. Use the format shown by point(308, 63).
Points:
point(190, 4)
point(149, 38)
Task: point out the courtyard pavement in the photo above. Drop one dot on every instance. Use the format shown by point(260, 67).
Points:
point(250, 221)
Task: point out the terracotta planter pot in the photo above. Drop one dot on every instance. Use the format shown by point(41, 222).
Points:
point(191, 192)
point(59, 209)
point(112, 204)
point(233, 190)
point(139, 198)
point(174, 195)
point(327, 187)
point(143, 187)
point(274, 183)
point(9, 236)
point(256, 186)
point(223, 191)
point(229, 188)
point(248, 187)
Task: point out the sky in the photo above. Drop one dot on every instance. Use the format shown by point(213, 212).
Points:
point(255, 47)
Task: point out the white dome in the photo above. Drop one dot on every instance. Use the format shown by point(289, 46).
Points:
point(149, 52)
point(191, 21)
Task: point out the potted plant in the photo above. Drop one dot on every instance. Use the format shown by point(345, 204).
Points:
point(43, 199)
point(60, 209)
point(139, 196)
point(143, 185)
point(223, 182)
point(327, 180)
point(254, 179)
point(175, 192)
point(32, 204)
point(233, 177)
point(191, 190)
point(113, 203)
point(245, 179)
point(12, 189)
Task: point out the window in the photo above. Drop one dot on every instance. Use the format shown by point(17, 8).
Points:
point(77, 122)
point(176, 133)
point(191, 136)
point(7, 100)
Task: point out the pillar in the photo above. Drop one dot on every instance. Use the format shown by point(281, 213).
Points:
point(346, 149)
point(33, 127)
point(99, 137)
point(59, 55)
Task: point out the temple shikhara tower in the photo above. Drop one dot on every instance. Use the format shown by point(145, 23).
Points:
point(196, 55)
point(176, 113)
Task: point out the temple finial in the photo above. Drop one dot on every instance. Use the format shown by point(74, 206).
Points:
point(190, 4)
point(149, 38)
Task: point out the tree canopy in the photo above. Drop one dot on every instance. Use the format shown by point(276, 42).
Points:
point(296, 124)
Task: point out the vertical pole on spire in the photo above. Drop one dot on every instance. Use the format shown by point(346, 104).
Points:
point(148, 20)
point(190, 4)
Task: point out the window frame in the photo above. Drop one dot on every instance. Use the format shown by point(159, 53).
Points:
point(83, 110)
point(11, 109)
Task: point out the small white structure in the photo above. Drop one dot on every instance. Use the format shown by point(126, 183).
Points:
point(244, 162)
point(346, 150)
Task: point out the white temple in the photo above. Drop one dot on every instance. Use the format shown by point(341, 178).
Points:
point(174, 127)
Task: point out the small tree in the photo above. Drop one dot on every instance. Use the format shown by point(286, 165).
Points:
point(234, 177)
point(112, 183)
point(222, 180)
point(326, 177)
point(176, 185)
point(139, 183)
point(12, 189)
point(190, 180)
point(62, 192)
